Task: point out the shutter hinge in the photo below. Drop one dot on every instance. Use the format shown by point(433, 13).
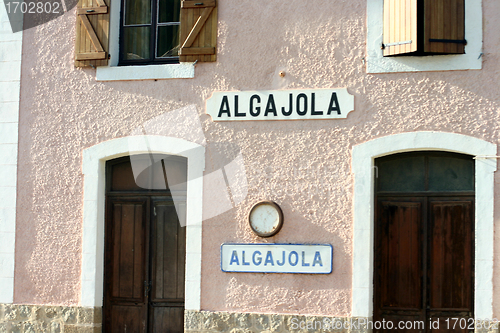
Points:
point(453, 41)
point(396, 44)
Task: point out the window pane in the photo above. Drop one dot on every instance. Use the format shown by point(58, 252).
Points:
point(168, 41)
point(169, 10)
point(451, 174)
point(401, 173)
point(136, 43)
point(137, 12)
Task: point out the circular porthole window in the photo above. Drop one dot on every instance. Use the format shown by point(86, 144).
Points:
point(265, 218)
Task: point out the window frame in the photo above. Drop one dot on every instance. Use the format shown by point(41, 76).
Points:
point(377, 63)
point(154, 25)
point(152, 71)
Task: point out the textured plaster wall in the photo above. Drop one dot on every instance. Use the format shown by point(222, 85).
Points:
point(302, 165)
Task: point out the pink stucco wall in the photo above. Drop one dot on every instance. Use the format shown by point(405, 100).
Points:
point(302, 165)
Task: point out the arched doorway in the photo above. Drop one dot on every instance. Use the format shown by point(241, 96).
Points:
point(424, 241)
point(145, 244)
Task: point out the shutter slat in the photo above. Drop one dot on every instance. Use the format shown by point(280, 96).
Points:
point(413, 16)
point(400, 27)
point(198, 31)
point(387, 26)
point(397, 26)
point(201, 36)
point(92, 30)
point(444, 26)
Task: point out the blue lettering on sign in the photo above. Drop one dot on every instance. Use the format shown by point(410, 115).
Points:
point(290, 258)
point(304, 263)
point(234, 258)
point(243, 260)
point(317, 259)
point(282, 260)
point(287, 259)
point(256, 263)
point(269, 258)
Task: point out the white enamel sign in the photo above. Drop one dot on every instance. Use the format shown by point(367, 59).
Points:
point(280, 104)
point(277, 258)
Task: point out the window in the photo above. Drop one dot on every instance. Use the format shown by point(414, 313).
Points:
point(412, 61)
point(424, 27)
point(149, 31)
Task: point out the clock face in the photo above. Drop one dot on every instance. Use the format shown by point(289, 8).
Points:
point(266, 218)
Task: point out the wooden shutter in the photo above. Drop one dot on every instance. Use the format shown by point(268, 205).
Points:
point(444, 26)
point(92, 31)
point(400, 27)
point(198, 31)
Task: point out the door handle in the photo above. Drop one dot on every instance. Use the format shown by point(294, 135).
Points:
point(147, 287)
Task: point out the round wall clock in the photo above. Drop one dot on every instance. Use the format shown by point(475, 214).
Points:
point(265, 218)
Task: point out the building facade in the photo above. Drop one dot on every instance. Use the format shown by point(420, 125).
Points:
point(136, 137)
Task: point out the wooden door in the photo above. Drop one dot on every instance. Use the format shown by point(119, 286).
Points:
point(167, 269)
point(450, 265)
point(126, 265)
point(424, 243)
point(145, 250)
point(398, 269)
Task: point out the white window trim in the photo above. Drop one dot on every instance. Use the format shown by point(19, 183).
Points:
point(94, 160)
point(113, 72)
point(363, 157)
point(472, 59)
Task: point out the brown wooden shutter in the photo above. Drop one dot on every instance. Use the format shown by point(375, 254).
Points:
point(198, 31)
point(92, 31)
point(400, 27)
point(445, 26)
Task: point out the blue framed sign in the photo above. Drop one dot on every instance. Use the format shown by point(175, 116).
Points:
point(277, 258)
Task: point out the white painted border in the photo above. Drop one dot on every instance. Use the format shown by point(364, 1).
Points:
point(377, 63)
point(113, 72)
point(10, 89)
point(363, 157)
point(94, 159)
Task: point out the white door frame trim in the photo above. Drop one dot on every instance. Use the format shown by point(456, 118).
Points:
point(363, 156)
point(94, 160)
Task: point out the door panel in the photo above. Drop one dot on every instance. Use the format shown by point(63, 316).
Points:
point(168, 261)
point(126, 318)
point(450, 266)
point(450, 260)
point(126, 267)
point(168, 319)
point(399, 253)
